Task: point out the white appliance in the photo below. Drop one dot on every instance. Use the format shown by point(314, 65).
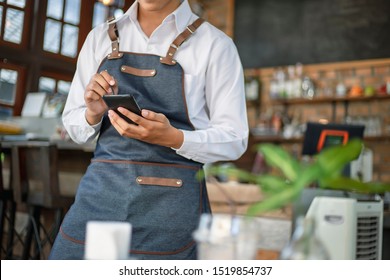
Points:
point(362, 168)
point(350, 229)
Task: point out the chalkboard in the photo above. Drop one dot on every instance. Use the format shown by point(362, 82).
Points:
point(283, 32)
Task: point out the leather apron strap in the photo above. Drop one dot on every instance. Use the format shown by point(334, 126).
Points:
point(114, 37)
point(168, 59)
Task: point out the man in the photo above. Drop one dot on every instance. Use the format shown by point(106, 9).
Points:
point(187, 78)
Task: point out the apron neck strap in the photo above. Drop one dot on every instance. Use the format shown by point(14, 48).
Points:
point(114, 37)
point(180, 39)
point(168, 59)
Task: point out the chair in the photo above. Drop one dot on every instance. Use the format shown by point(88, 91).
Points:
point(36, 183)
point(7, 215)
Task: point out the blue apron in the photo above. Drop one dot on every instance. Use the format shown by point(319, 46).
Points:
point(149, 186)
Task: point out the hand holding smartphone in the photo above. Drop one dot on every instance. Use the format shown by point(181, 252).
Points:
point(125, 101)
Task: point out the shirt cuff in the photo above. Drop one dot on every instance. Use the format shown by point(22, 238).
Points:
point(88, 130)
point(189, 140)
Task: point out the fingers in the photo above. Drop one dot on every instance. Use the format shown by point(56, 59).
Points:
point(123, 127)
point(153, 116)
point(109, 82)
point(132, 116)
point(100, 84)
point(152, 128)
point(117, 122)
point(146, 117)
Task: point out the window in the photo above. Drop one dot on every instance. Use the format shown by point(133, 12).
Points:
point(11, 85)
point(13, 21)
point(101, 12)
point(8, 85)
point(62, 27)
point(53, 85)
point(8, 91)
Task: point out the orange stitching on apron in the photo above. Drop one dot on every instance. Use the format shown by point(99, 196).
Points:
point(164, 253)
point(64, 235)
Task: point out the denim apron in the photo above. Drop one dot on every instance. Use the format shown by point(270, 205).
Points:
point(149, 186)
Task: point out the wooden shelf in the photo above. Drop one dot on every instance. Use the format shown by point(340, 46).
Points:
point(329, 100)
point(377, 138)
point(280, 139)
point(275, 139)
point(247, 159)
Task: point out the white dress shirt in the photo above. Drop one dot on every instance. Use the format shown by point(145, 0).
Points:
point(213, 82)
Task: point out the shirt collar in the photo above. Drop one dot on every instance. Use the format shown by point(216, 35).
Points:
point(132, 11)
point(181, 15)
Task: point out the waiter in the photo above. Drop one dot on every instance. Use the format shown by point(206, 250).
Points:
point(187, 78)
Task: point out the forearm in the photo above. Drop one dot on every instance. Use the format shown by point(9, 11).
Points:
point(214, 144)
point(176, 139)
point(77, 126)
point(92, 119)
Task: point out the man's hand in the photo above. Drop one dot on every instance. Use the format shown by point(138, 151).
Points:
point(100, 84)
point(152, 128)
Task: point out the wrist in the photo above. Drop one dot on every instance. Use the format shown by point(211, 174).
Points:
point(91, 118)
point(178, 139)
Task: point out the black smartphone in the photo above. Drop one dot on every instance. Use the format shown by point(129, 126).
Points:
point(125, 101)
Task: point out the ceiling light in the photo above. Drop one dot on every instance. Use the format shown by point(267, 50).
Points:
point(107, 2)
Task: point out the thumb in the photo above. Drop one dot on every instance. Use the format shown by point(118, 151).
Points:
point(153, 116)
point(146, 113)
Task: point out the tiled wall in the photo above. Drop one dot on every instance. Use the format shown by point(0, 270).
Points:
point(375, 73)
point(362, 73)
point(218, 12)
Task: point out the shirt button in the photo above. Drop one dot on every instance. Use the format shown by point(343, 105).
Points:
point(149, 48)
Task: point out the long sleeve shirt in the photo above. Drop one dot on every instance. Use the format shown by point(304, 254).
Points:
point(213, 82)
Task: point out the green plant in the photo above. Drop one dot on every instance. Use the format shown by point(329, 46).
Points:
point(325, 170)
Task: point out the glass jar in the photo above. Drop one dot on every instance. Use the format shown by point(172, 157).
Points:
point(304, 244)
point(226, 237)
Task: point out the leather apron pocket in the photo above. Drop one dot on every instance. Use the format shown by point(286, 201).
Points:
point(164, 182)
point(138, 72)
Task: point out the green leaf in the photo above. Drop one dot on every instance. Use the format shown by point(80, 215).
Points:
point(333, 159)
point(280, 191)
point(348, 184)
point(271, 184)
point(200, 175)
point(309, 175)
point(228, 172)
point(275, 201)
point(276, 156)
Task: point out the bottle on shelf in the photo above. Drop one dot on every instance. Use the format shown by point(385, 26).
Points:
point(289, 84)
point(341, 89)
point(274, 87)
point(297, 84)
point(304, 244)
point(281, 83)
point(276, 123)
point(308, 89)
point(251, 88)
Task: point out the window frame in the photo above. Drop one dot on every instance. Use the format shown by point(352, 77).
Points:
point(55, 76)
point(20, 85)
point(28, 10)
point(63, 23)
